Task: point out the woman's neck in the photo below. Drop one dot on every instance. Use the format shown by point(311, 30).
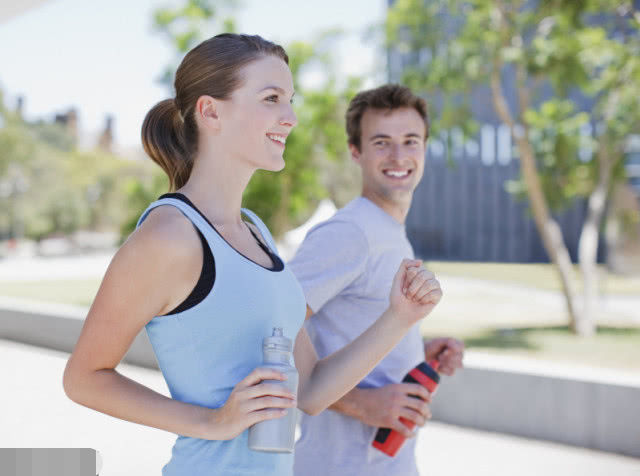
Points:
point(216, 185)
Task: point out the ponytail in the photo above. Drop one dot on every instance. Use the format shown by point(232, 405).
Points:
point(163, 139)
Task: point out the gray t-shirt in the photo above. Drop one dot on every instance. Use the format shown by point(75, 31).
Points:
point(346, 266)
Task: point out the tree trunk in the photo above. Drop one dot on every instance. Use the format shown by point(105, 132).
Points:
point(588, 244)
point(549, 230)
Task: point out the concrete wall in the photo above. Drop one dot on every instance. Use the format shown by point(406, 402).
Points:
point(575, 410)
point(57, 326)
point(577, 406)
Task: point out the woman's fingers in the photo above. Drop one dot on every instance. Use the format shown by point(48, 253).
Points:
point(258, 375)
point(432, 297)
point(428, 286)
point(262, 403)
point(266, 414)
point(400, 280)
point(413, 267)
point(423, 279)
point(269, 388)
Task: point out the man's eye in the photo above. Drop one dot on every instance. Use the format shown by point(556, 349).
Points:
point(380, 143)
point(412, 142)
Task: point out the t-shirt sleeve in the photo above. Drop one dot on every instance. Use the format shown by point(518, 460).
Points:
point(331, 257)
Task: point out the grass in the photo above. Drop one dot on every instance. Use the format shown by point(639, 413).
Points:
point(611, 347)
point(491, 324)
point(79, 292)
point(538, 275)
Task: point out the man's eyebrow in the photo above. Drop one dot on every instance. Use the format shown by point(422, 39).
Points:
point(385, 136)
point(277, 88)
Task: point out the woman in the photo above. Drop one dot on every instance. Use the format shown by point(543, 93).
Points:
point(208, 286)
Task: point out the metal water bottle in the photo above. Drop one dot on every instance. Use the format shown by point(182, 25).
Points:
point(277, 436)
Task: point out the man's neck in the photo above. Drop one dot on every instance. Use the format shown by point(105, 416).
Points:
point(396, 210)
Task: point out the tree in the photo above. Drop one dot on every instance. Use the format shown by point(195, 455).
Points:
point(560, 46)
point(48, 186)
point(190, 23)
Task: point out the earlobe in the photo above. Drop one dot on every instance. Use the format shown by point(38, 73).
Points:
point(207, 111)
point(355, 153)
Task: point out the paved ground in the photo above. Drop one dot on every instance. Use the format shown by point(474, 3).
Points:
point(36, 413)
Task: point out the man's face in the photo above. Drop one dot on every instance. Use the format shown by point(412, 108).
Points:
point(391, 153)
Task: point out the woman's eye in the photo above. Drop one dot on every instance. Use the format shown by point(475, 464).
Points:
point(273, 98)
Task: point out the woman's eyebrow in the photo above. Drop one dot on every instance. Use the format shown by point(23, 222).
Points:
point(276, 88)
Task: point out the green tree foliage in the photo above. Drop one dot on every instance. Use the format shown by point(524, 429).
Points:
point(48, 186)
point(187, 25)
point(554, 50)
point(140, 192)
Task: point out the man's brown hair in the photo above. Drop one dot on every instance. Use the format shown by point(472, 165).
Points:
point(390, 97)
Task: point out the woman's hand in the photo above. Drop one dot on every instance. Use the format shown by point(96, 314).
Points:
point(414, 293)
point(251, 401)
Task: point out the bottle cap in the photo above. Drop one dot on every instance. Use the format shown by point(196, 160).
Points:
point(277, 341)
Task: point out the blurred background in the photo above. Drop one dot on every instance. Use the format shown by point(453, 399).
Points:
point(529, 209)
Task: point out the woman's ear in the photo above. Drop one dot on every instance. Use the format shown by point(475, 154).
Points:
point(207, 113)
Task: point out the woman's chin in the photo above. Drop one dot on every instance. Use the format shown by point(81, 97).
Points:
point(274, 166)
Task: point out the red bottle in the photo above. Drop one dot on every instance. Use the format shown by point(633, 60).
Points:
point(389, 441)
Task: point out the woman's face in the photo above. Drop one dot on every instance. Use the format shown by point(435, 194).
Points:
point(256, 120)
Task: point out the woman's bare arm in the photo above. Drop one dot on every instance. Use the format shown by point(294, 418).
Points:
point(415, 292)
point(151, 273)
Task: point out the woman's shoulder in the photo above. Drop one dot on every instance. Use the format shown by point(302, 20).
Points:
point(167, 231)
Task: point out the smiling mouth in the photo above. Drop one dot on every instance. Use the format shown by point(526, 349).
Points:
point(278, 139)
point(397, 173)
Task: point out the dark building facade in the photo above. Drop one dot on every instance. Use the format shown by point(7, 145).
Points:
point(461, 210)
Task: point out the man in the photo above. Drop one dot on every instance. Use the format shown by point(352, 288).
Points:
point(346, 266)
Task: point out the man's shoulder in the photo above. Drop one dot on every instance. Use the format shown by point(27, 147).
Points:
point(361, 215)
point(344, 221)
point(354, 214)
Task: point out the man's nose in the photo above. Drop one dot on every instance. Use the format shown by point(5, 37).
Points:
point(395, 151)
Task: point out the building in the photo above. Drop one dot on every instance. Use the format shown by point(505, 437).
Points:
point(461, 209)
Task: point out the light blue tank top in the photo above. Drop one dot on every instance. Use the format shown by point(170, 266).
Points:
point(204, 351)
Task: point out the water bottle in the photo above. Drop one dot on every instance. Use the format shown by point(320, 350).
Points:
point(277, 436)
point(389, 441)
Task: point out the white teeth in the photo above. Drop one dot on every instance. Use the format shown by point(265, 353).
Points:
point(278, 138)
point(394, 173)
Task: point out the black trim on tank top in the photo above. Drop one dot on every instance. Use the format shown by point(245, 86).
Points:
point(208, 274)
point(205, 282)
point(277, 263)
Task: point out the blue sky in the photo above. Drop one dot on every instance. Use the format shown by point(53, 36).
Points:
point(104, 58)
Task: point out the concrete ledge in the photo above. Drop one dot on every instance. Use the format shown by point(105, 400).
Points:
point(582, 406)
point(58, 326)
point(601, 412)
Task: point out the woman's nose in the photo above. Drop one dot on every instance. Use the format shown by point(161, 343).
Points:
point(290, 119)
